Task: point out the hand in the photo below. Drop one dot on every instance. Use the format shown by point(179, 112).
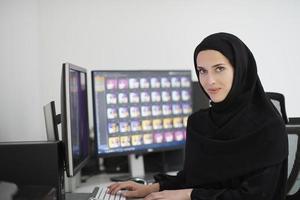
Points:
point(134, 189)
point(184, 194)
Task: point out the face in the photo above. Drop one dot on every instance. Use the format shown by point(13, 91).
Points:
point(215, 74)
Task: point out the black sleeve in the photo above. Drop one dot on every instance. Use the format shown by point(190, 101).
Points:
point(167, 182)
point(265, 184)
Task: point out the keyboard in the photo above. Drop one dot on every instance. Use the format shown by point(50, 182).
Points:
point(101, 194)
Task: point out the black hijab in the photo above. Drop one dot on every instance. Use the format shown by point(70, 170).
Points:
point(241, 134)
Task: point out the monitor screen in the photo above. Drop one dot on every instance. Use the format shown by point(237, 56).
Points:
point(75, 126)
point(140, 111)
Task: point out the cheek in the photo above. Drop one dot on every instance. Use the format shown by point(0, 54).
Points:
point(230, 80)
point(202, 82)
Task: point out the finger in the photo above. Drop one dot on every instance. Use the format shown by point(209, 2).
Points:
point(113, 186)
point(121, 186)
point(130, 194)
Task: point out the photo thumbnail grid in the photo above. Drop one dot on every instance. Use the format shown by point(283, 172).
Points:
point(143, 110)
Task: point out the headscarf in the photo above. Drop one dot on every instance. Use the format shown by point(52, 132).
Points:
point(241, 134)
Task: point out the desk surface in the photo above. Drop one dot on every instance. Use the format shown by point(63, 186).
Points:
point(77, 196)
point(101, 180)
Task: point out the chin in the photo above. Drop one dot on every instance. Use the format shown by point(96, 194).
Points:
point(217, 100)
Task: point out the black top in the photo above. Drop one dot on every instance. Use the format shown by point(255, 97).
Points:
point(263, 184)
point(236, 149)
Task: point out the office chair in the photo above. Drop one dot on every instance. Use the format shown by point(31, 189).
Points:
point(293, 131)
point(278, 101)
point(292, 188)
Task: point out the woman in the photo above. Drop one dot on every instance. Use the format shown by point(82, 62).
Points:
point(236, 149)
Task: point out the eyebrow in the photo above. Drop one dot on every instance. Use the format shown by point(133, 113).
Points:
point(214, 66)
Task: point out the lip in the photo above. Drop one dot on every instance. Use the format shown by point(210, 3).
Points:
point(213, 90)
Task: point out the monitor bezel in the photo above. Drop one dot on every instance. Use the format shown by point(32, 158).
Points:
point(66, 116)
point(136, 151)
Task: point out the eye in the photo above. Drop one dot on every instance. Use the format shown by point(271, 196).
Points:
point(220, 69)
point(201, 70)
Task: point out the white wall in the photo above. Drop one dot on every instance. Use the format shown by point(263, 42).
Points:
point(38, 36)
point(20, 101)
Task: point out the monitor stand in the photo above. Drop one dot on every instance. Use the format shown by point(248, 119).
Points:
point(71, 183)
point(136, 170)
point(136, 165)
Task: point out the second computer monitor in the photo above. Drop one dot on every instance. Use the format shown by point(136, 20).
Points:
point(74, 117)
point(140, 111)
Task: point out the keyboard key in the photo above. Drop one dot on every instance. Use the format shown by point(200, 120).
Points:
point(103, 195)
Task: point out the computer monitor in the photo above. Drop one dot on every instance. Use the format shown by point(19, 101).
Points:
point(140, 111)
point(74, 117)
point(51, 121)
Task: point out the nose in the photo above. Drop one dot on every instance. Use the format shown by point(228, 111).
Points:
point(210, 79)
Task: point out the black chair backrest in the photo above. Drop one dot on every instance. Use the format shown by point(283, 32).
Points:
point(293, 133)
point(278, 101)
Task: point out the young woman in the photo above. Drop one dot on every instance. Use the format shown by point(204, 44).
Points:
point(235, 150)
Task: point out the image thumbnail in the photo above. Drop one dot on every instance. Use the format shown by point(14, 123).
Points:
point(144, 83)
point(165, 82)
point(111, 98)
point(155, 96)
point(124, 127)
point(148, 139)
point(145, 97)
point(175, 82)
point(156, 110)
point(157, 124)
point(113, 128)
point(123, 84)
point(123, 112)
point(185, 95)
point(112, 113)
point(146, 111)
point(177, 122)
point(125, 141)
point(166, 96)
point(166, 109)
point(169, 137)
point(136, 140)
point(185, 82)
point(135, 112)
point(167, 123)
point(111, 84)
point(155, 83)
point(158, 137)
point(136, 126)
point(175, 95)
point(134, 97)
point(187, 108)
point(114, 142)
point(134, 83)
point(176, 108)
point(123, 98)
point(179, 135)
point(147, 125)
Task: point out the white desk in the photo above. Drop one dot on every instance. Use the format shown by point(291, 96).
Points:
point(101, 180)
